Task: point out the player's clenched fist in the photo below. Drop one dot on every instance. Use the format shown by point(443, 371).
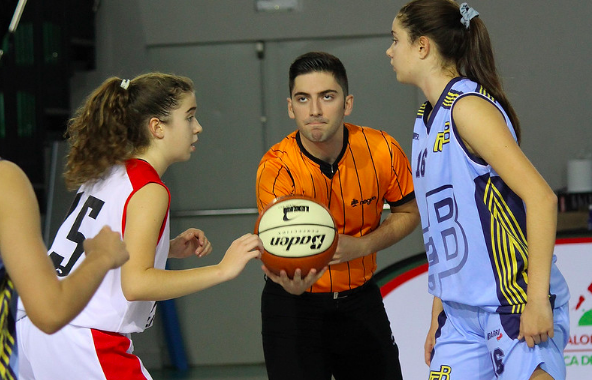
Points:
point(243, 249)
point(108, 244)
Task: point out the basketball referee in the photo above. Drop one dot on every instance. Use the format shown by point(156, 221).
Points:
point(334, 322)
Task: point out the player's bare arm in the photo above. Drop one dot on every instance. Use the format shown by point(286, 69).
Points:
point(473, 117)
point(50, 303)
point(141, 281)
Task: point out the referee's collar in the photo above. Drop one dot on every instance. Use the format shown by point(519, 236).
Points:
point(327, 169)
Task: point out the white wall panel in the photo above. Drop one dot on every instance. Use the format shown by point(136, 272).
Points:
point(214, 21)
point(221, 173)
point(222, 325)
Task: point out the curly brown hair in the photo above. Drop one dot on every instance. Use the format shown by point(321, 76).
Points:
point(111, 126)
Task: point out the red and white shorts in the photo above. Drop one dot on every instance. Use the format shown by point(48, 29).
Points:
point(76, 353)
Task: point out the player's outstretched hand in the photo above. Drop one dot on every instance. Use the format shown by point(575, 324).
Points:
point(243, 249)
point(189, 243)
point(296, 285)
point(107, 244)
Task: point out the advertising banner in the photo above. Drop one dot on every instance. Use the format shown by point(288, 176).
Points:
point(574, 259)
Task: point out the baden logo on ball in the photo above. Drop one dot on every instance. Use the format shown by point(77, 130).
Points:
point(297, 232)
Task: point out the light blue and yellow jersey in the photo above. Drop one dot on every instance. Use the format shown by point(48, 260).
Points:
point(8, 346)
point(474, 225)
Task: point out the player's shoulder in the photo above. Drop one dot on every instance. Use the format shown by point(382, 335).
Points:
point(151, 198)
point(462, 84)
point(472, 96)
point(465, 88)
point(12, 175)
point(8, 166)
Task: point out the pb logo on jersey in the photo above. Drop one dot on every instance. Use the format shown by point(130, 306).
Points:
point(442, 138)
point(442, 374)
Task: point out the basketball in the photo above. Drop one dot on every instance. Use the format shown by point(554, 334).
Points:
point(297, 232)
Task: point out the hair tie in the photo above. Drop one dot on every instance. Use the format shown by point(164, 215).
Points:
point(467, 14)
point(125, 83)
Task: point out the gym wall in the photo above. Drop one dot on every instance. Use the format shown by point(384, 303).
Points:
point(239, 58)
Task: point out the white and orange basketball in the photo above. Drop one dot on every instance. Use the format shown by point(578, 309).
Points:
point(297, 232)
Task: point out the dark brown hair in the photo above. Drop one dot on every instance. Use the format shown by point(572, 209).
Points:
point(469, 49)
point(317, 61)
point(111, 126)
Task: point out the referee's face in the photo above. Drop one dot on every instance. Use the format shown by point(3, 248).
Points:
point(318, 105)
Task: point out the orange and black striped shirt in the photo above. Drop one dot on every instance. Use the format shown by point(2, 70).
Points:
point(371, 169)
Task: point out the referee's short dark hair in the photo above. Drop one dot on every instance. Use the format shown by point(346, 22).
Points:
point(319, 62)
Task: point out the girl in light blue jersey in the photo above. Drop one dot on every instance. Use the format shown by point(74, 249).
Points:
point(488, 217)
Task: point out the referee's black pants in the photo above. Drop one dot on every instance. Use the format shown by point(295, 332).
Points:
point(314, 336)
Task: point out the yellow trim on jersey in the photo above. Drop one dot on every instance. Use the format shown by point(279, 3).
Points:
point(6, 339)
point(507, 242)
point(449, 99)
point(484, 92)
point(421, 110)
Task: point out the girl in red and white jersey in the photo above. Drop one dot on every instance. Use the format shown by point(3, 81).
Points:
point(122, 140)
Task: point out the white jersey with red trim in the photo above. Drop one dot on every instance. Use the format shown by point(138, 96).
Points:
point(96, 205)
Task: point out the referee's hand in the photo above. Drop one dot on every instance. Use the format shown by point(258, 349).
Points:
point(296, 285)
